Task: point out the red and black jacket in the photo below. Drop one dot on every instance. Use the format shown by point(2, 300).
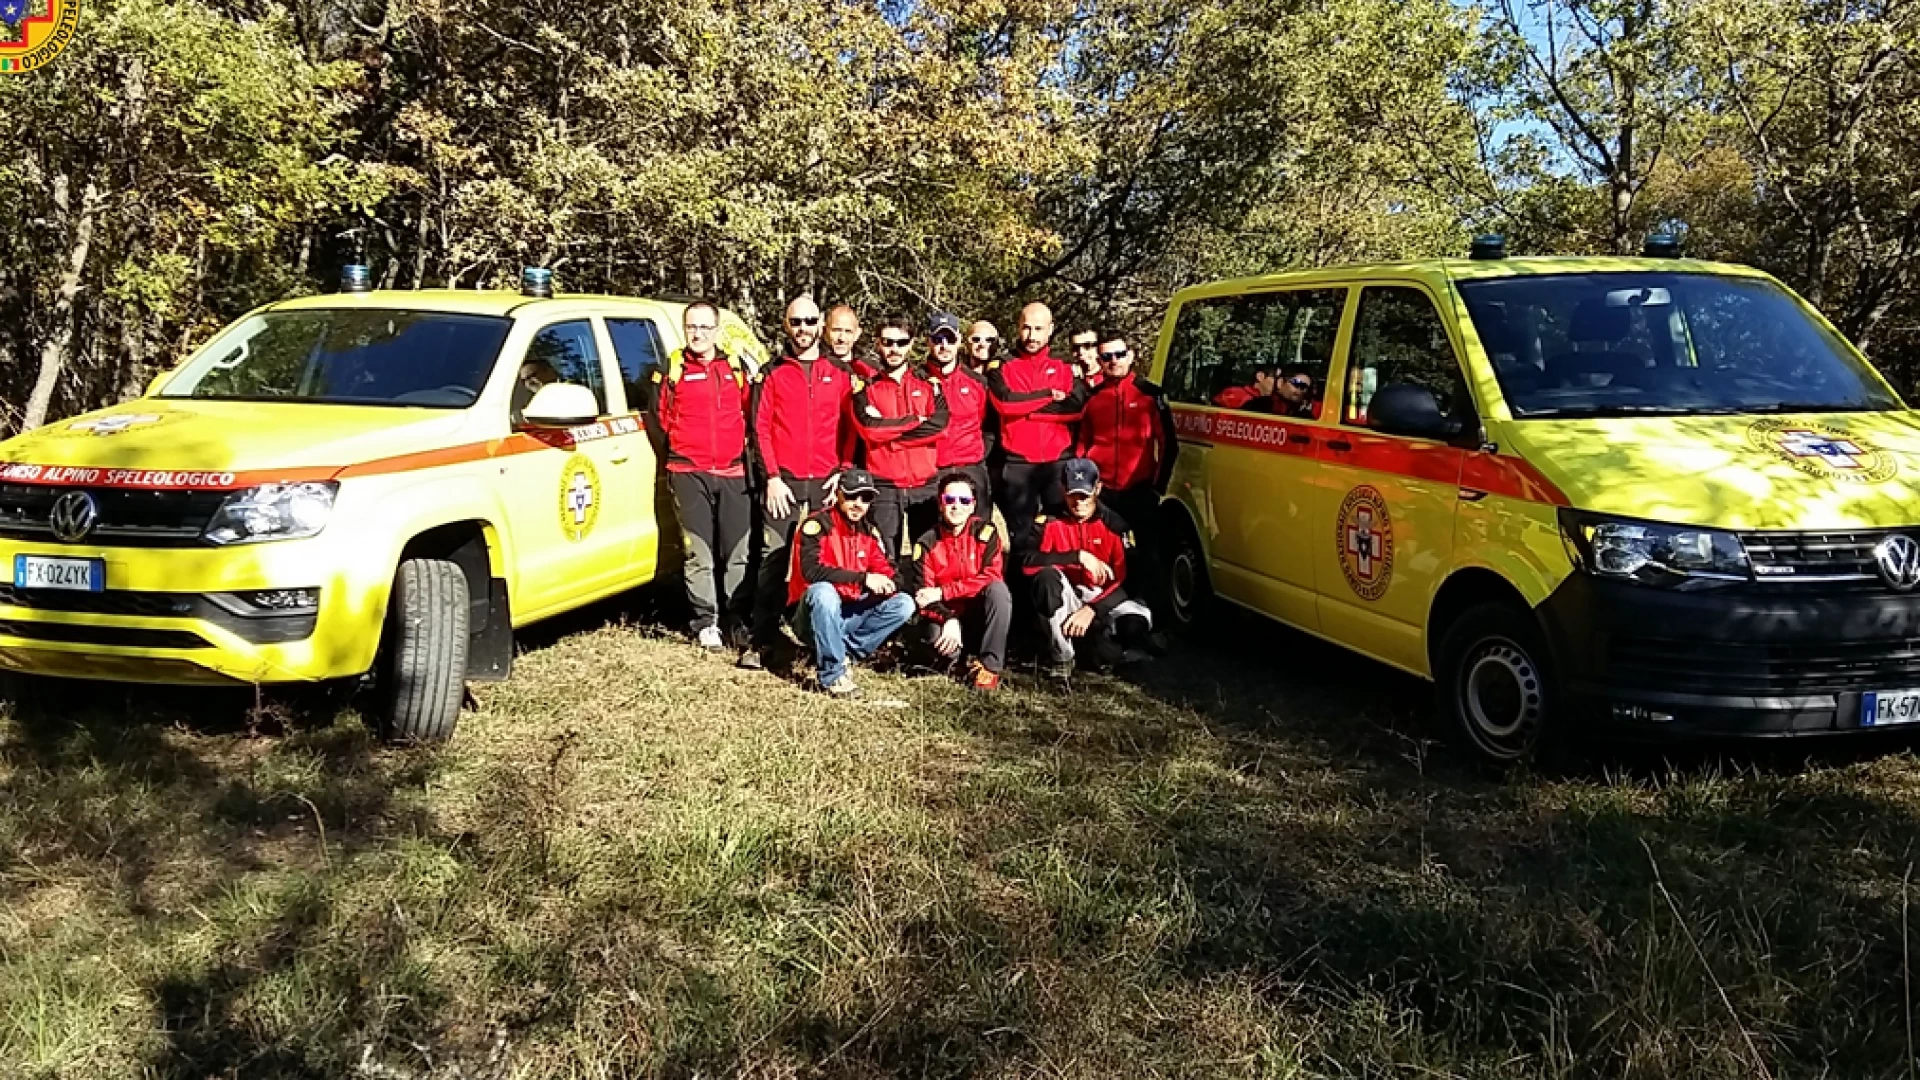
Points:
point(801, 429)
point(900, 422)
point(1034, 427)
point(699, 414)
point(965, 440)
point(961, 565)
point(831, 548)
point(1058, 542)
point(1128, 431)
point(1235, 397)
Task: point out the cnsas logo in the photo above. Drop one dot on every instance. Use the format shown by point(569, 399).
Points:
point(32, 32)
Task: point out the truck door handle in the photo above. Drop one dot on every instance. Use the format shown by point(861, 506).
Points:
point(1341, 445)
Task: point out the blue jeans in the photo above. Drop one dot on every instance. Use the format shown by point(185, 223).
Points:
point(843, 627)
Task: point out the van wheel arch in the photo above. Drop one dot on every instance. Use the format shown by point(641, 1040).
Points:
point(1495, 682)
point(474, 547)
point(1461, 593)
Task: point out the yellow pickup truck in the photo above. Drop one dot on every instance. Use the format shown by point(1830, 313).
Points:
point(369, 482)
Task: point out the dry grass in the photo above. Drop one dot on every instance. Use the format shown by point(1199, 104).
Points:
point(635, 860)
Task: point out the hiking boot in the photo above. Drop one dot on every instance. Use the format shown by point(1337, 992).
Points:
point(1130, 657)
point(984, 680)
point(710, 639)
point(843, 689)
point(750, 659)
point(1061, 670)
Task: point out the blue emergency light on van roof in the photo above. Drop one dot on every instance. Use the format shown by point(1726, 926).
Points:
point(356, 278)
point(1662, 245)
point(536, 281)
point(1488, 246)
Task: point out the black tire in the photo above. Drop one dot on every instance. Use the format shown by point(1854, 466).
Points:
point(1495, 683)
point(1188, 591)
point(423, 671)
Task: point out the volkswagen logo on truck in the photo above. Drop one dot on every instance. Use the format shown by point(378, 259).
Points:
point(1898, 557)
point(75, 514)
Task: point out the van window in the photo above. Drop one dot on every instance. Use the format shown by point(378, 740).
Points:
point(1399, 338)
point(563, 352)
point(636, 343)
point(1231, 351)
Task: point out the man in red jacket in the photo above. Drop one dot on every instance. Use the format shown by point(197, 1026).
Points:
point(1128, 433)
point(900, 416)
point(843, 334)
point(841, 578)
point(957, 575)
point(963, 446)
point(1078, 566)
point(699, 417)
point(1086, 355)
point(1253, 395)
point(802, 436)
point(1039, 400)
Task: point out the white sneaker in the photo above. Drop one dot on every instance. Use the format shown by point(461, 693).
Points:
point(843, 688)
point(711, 640)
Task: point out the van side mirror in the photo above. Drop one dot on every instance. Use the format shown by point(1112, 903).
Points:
point(1406, 409)
point(561, 405)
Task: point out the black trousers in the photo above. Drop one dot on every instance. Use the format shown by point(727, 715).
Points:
point(1124, 625)
point(901, 513)
point(1139, 507)
point(714, 515)
point(776, 538)
point(1025, 489)
point(984, 622)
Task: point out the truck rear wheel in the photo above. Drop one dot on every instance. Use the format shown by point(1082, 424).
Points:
point(423, 670)
point(1495, 682)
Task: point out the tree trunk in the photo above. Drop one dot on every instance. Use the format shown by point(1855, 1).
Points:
point(54, 354)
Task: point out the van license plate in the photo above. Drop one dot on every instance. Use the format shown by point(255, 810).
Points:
point(1889, 707)
point(73, 575)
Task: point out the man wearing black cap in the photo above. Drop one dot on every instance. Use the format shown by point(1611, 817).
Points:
point(1078, 566)
point(850, 602)
point(963, 445)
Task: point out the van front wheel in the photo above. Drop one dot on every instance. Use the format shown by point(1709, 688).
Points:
point(1495, 682)
point(1188, 591)
point(423, 669)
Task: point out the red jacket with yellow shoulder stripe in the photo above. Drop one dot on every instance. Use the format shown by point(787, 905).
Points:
point(1058, 542)
point(699, 413)
point(900, 421)
point(960, 564)
point(835, 550)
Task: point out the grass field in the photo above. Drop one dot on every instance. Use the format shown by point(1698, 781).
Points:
point(635, 860)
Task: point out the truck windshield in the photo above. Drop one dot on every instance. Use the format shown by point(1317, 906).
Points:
point(348, 357)
point(1625, 344)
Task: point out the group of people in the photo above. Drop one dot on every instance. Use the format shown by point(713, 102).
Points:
point(873, 481)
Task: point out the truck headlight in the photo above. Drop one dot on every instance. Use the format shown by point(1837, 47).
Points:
point(1673, 556)
point(272, 512)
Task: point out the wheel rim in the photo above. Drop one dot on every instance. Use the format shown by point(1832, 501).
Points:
point(1501, 697)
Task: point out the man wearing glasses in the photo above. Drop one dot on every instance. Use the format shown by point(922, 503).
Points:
point(1040, 401)
point(983, 348)
point(1086, 355)
point(699, 416)
point(1128, 433)
point(900, 416)
point(802, 437)
point(957, 573)
point(1293, 396)
point(963, 447)
point(841, 578)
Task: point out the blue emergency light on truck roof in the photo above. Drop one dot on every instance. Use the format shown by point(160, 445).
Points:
point(1662, 245)
point(536, 281)
point(356, 278)
point(1488, 246)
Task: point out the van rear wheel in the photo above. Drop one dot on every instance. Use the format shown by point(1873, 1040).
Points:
point(1495, 682)
point(423, 672)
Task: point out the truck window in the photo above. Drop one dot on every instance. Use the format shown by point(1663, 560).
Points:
point(563, 352)
point(1399, 338)
point(1232, 352)
point(636, 344)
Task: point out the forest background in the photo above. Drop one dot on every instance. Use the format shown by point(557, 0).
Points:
point(185, 160)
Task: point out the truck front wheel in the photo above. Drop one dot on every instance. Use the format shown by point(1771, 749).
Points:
point(423, 664)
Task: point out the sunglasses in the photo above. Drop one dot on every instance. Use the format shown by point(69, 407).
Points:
point(957, 500)
point(1117, 354)
point(815, 321)
point(946, 336)
point(1300, 384)
point(857, 496)
point(1086, 346)
point(896, 342)
point(984, 340)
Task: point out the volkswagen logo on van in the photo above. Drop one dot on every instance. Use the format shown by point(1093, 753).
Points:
point(1898, 557)
point(75, 514)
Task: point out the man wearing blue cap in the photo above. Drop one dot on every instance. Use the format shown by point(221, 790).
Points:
point(1078, 566)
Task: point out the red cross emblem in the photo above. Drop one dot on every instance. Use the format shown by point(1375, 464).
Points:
point(1839, 453)
point(1365, 543)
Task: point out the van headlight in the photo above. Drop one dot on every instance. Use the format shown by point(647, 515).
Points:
point(272, 512)
point(1673, 556)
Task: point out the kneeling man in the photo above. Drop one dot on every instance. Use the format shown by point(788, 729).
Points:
point(959, 584)
point(849, 602)
point(1078, 566)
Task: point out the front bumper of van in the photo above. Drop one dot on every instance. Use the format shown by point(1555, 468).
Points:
point(1750, 661)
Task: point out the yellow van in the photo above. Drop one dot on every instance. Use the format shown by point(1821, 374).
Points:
point(367, 482)
point(1653, 496)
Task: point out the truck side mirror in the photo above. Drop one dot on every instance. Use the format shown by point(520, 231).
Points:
point(561, 405)
point(1406, 409)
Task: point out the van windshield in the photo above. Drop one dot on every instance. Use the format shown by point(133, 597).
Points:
point(1623, 344)
point(348, 357)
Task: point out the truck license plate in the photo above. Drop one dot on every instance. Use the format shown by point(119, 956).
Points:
point(1889, 707)
point(47, 572)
